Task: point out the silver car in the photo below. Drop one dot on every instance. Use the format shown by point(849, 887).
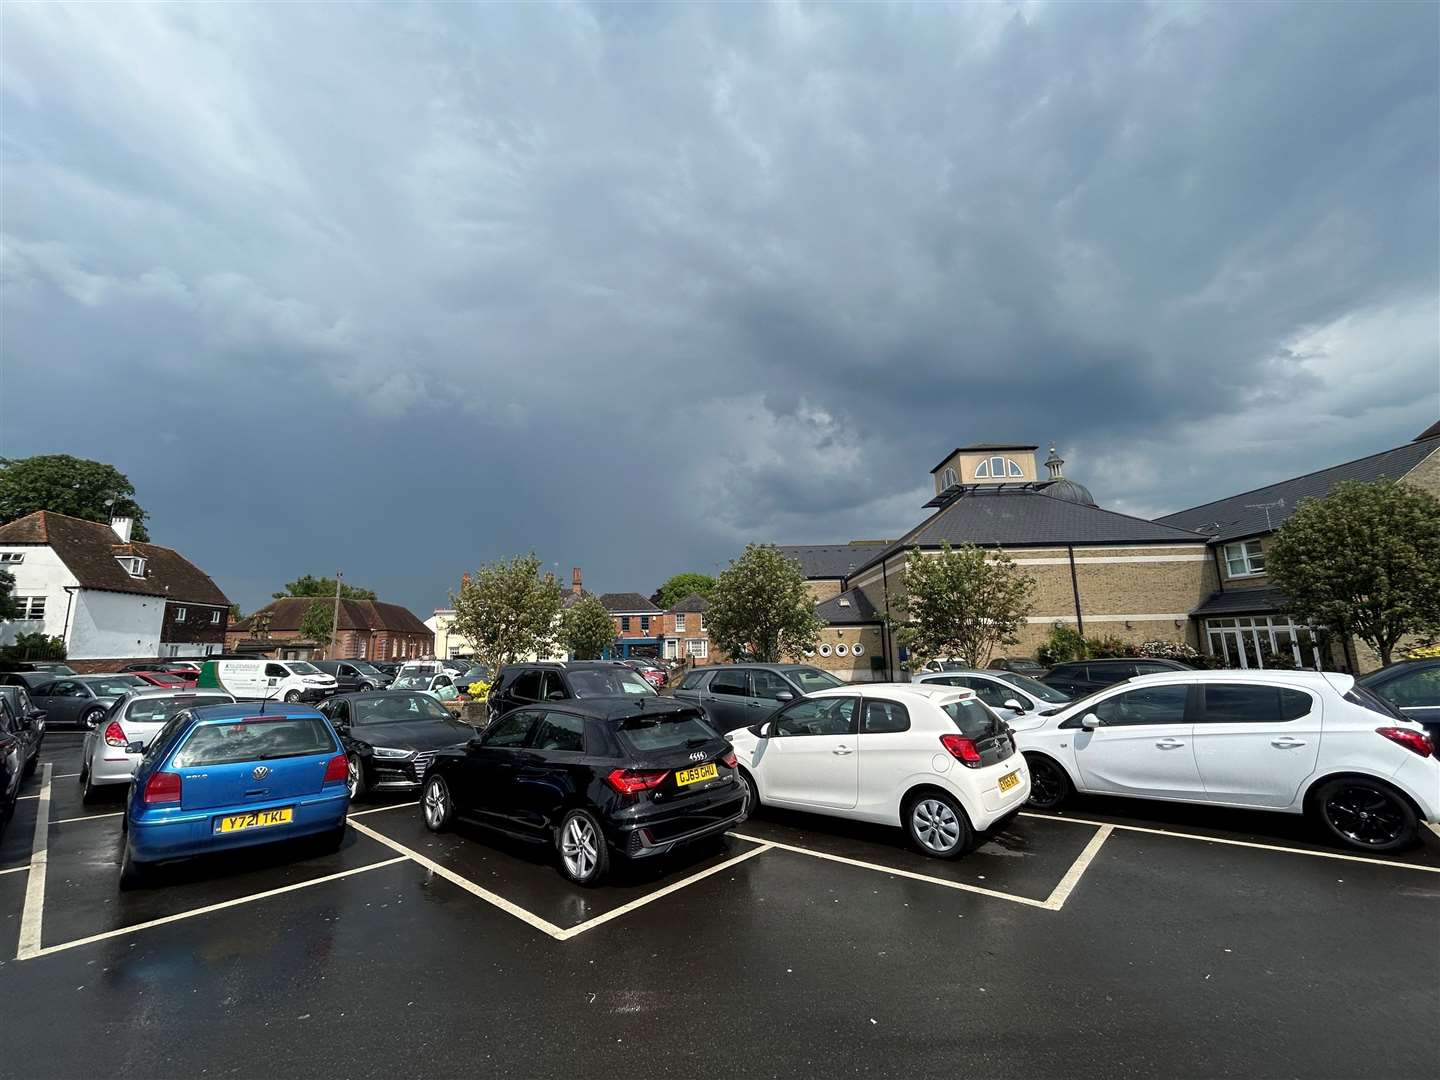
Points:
point(114, 746)
point(1007, 692)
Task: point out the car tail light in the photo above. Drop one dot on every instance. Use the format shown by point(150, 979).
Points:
point(337, 769)
point(115, 735)
point(1416, 741)
point(162, 787)
point(961, 749)
point(632, 781)
point(729, 759)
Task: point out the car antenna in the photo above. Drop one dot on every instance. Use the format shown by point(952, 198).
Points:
point(266, 700)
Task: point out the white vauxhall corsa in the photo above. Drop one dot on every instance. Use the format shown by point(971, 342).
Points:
point(1299, 742)
point(930, 759)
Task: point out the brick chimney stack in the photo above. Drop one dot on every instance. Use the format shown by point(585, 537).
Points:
point(575, 587)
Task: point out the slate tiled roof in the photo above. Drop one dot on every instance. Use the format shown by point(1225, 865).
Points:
point(1244, 514)
point(833, 560)
point(1242, 602)
point(89, 550)
point(1431, 432)
point(848, 607)
point(618, 603)
point(368, 615)
point(693, 602)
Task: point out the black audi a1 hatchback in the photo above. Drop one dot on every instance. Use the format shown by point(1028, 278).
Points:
point(592, 778)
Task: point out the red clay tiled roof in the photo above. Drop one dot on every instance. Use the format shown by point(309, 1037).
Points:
point(286, 613)
point(89, 549)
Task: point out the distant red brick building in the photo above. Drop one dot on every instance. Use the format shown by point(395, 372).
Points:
point(368, 629)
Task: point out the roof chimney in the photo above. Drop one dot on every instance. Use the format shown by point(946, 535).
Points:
point(122, 527)
point(575, 587)
point(1056, 464)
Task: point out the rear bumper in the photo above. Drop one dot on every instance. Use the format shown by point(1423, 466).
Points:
point(1420, 777)
point(995, 804)
point(318, 693)
point(112, 766)
point(659, 833)
point(177, 834)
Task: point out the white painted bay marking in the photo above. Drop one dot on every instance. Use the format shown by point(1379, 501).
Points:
point(207, 909)
point(66, 775)
point(86, 817)
point(1056, 900)
point(19, 797)
point(15, 869)
point(33, 914)
point(382, 809)
point(1241, 843)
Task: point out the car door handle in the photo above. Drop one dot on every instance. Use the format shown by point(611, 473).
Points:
point(1286, 742)
point(842, 750)
point(755, 704)
point(1169, 744)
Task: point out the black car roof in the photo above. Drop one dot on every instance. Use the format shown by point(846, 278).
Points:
point(367, 694)
point(619, 708)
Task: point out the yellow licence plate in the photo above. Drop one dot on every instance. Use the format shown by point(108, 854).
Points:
point(1009, 780)
point(257, 819)
point(695, 775)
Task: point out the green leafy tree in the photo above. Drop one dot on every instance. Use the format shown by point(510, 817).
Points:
point(1364, 560)
point(507, 611)
point(316, 622)
point(323, 586)
point(68, 485)
point(962, 602)
point(680, 586)
point(587, 629)
point(761, 607)
point(9, 609)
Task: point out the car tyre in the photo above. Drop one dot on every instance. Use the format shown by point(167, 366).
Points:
point(1365, 814)
point(332, 841)
point(292, 696)
point(29, 769)
point(938, 825)
point(1049, 783)
point(580, 842)
point(132, 872)
point(437, 806)
point(752, 795)
point(91, 718)
point(355, 778)
point(89, 793)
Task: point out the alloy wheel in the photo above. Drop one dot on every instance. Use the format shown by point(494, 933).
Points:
point(435, 800)
point(935, 825)
point(352, 776)
point(578, 848)
point(1365, 815)
point(1047, 786)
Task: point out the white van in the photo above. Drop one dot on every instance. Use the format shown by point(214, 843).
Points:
point(257, 680)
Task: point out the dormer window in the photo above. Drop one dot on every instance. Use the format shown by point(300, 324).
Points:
point(133, 565)
point(948, 479)
point(999, 468)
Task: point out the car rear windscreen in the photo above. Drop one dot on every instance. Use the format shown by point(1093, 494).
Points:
point(254, 740)
point(973, 719)
point(665, 731)
point(159, 710)
point(609, 682)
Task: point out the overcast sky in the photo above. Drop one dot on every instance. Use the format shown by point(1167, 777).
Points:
point(402, 289)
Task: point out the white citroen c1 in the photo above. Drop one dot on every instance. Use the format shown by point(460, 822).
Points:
point(1298, 742)
point(933, 760)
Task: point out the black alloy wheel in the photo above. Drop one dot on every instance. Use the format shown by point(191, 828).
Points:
point(752, 795)
point(355, 777)
point(1049, 786)
point(91, 719)
point(436, 806)
point(1367, 815)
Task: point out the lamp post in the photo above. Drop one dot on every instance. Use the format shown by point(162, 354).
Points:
point(335, 617)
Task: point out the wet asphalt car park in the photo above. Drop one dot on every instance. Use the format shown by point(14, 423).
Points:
point(1116, 939)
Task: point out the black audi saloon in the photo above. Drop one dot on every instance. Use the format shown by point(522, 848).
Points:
point(592, 778)
point(390, 736)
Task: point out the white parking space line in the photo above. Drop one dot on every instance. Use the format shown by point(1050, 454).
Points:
point(14, 870)
point(1056, 900)
point(465, 883)
point(65, 776)
point(1433, 827)
point(897, 872)
point(123, 930)
point(87, 817)
point(382, 809)
point(18, 798)
point(1242, 843)
point(674, 886)
point(33, 914)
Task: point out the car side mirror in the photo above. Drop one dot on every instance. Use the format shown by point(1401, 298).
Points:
point(1013, 704)
point(555, 695)
point(1089, 721)
point(135, 746)
point(765, 730)
point(784, 695)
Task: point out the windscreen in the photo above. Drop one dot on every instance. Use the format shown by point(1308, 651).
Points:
point(1368, 699)
point(973, 719)
point(158, 710)
point(666, 731)
point(812, 679)
point(609, 682)
point(1034, 687)
point(300, 667)
point(256, 740)
point(397, 708)
point(412, 682)
point(364, 668)
point(115, 686)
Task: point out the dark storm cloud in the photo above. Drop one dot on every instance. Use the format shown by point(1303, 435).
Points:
point(402, 289)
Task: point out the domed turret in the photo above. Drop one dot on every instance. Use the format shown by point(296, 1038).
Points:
point(1061, 488)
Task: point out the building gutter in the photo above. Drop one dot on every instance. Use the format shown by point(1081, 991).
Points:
point(1075, 588)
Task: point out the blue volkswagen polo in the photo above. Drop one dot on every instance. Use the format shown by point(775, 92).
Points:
point(228, 776)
